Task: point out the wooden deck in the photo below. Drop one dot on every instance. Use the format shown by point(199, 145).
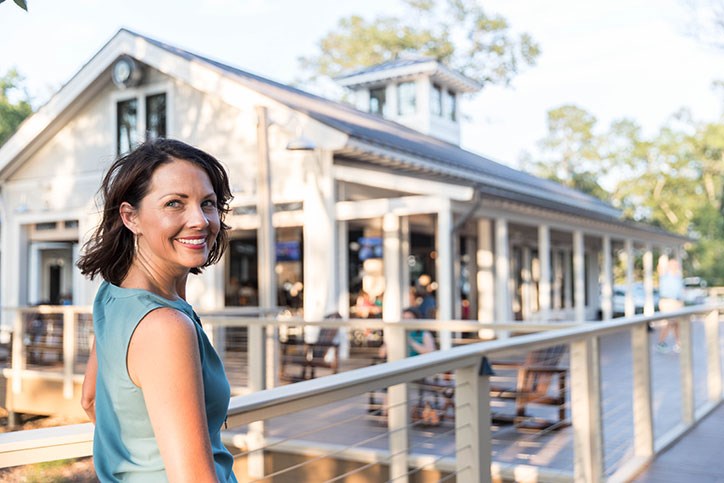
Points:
point(694, 457)
point(347, 422)
point(697, 457)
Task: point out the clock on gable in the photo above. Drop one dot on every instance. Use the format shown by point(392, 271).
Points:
point(126, 72)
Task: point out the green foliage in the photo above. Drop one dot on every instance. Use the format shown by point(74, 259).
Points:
point(571, 151)
point(674, 179)
point(12, 112)
point(458, 33)
point(20, 3)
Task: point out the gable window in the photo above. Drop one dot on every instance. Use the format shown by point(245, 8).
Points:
point(436, 100)
point(378, 96)
point(140, 118)
point(406, 98)
point(127, 125)
point(449, 106)
point(156, 116)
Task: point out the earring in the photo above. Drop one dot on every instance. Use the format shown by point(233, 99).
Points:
point(135, 243)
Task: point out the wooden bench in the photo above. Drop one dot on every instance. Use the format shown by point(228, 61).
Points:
point(534, 377)
point(297, 354)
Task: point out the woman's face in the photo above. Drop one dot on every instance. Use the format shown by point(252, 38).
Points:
point(177, 221)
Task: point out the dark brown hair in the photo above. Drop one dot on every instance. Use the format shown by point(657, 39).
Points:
point(110, 250)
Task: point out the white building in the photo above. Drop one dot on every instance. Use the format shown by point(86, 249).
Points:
point(357, 198)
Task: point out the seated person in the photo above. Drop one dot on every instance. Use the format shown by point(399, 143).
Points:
point(418, 341)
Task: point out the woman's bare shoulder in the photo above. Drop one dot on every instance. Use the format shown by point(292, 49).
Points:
point(163, 339)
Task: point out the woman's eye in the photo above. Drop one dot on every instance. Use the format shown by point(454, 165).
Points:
point(173, 203)
point(209, 204)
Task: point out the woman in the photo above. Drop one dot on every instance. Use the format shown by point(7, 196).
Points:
point(155, 387)
point(418, 341)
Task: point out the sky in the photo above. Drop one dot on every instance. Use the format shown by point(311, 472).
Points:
point(613, 58)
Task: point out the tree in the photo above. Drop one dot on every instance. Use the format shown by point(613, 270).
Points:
point(20, 3)
point(458, 33)
point(707, 21)
point(673, 179)
point(14, 104)
point(571, 151)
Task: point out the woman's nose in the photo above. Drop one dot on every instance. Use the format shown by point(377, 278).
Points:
point(198, 218)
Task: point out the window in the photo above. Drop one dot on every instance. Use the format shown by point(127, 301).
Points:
point(449, 106)
point(127, 125)
point(155, 116)
point(436, 100)
point(138, 115)
point(378, 96)
point(406, 98)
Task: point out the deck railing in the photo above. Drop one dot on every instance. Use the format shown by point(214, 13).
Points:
point(473, 439)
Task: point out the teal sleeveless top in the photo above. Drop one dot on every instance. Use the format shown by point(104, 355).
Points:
point(124, 446)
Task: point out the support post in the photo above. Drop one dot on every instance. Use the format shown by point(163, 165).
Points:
point(567, 280)
point(586, 411)
point(687, 372)
point(526, 289)
point(68, 351)
point(343, 291)
point(642, 410)
point(19, 353)
point(486, 277)
point(648, 260)
point(472, 425)
point(713, 357)
point(444, 265)
point(607, 278)
point(503, 309)
point(630, 307)
point(391, 308)
point(398, 407)
point(579, 276)
point(544, 259)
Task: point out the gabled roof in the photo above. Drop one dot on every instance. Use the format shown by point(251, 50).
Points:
point(370, 138)
point(402, 147)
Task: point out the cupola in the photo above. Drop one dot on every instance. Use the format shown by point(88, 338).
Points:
point(420, 93)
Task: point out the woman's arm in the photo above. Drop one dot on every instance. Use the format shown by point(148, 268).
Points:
point(88, 391)
point(164, 360)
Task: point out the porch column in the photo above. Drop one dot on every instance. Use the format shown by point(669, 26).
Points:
point(485, 277)
point(544, 283)
point(567, 280)
point(444, 268)
point(628, 254)
point(557, 280)
point(648, 280)
point(526, 292)
point(503, 309)
point(266, 239)
point(579, 276)
point(593, 277)
point(391, 307)
point(343, 286)
point(404, 265)
point(606, 280)
point(320, 238)
point(34, 274)
point(396, 342)
point(470, 249)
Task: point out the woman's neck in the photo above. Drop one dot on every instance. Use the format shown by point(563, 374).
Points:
point(165, 285)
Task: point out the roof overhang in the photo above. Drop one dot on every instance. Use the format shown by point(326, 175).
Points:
point(432, 68)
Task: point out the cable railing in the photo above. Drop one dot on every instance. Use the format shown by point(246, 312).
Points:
point(597, 403)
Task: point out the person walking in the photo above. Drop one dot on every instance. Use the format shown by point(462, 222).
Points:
point(671, 298)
